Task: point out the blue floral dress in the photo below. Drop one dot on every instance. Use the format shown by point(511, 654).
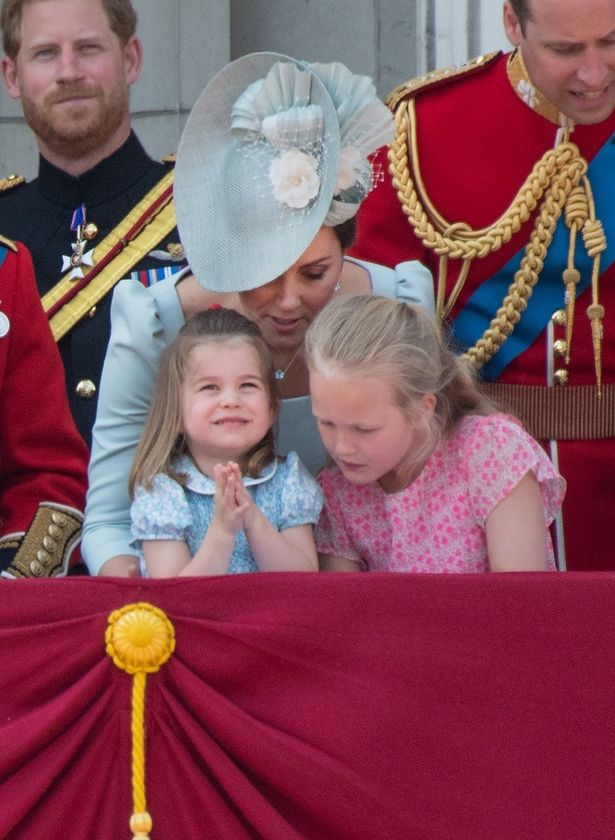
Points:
point(285, 492)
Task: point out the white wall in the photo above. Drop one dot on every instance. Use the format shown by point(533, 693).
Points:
point(464, 28)
point(186, 41)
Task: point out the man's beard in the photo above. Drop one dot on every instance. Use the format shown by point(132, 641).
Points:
point(79, 135)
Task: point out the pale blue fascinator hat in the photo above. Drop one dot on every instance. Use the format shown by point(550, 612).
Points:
point(273, 149)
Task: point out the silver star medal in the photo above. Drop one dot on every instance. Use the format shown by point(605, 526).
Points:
point(78, 258)
point(84, 233)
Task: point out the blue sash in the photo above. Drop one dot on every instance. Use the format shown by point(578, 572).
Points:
point(548, 294)
point(3, 252)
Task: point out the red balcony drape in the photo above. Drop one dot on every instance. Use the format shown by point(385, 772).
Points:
point(341, 707)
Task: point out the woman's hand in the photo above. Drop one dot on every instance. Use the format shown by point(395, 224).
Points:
point(123, 565)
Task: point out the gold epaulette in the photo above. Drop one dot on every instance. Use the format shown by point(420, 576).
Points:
point(8, 243)
point(11, 182)
point(436, 77)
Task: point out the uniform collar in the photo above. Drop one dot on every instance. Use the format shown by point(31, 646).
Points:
point(199, 483)
point(529, 93)
point(108, 179)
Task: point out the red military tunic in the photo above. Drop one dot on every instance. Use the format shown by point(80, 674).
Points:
point(477, 140)
point(43, 459)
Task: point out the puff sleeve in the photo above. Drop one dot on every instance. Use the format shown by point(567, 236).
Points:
point(161, 512)
point(301, 495)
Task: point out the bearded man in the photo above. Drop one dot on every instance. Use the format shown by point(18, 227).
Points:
point(71, 63)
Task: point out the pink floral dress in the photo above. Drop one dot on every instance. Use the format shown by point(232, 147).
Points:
point(437, 524)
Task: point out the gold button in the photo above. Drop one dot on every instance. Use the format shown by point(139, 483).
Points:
point(561, 376)
point(85, 389)
point(92, 312)
point(36, 569)
point(560, 348)
point(49, 545)
point(559, 317)
point(59, 519)
point(43, 557)
point(54, 532)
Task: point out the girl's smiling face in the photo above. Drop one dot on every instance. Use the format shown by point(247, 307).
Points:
point(225, 406)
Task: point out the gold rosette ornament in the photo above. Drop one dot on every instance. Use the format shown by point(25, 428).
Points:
point(139, 639)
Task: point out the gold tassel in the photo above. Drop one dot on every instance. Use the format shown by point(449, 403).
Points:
point(594, 239)
point(139, 639)
point(595, 313)
point(571, 277)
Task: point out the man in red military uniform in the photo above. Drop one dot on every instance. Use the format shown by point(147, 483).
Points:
point(501, 182)
point(43, 459)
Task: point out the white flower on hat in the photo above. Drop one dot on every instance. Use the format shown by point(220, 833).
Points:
point(350, 166)
point(294, 178)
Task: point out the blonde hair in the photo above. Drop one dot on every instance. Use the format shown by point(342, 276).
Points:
point(162, 440)
point(369, 335)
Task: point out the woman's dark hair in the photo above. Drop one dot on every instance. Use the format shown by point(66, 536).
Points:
point(346, 233)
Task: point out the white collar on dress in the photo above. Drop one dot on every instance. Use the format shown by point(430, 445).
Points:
point(200, 483)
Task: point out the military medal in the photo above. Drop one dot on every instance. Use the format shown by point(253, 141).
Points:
point(174, 252)
point(80, 257)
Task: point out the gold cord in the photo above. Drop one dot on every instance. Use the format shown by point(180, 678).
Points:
point(575, 217)
point(553, 185)
point(595, 243)
point(139, 639)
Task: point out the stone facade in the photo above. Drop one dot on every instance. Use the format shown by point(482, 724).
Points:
point(186, 41)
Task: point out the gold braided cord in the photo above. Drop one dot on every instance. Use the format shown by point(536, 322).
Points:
point(139, 639)
point(459, 284)
point(459, 240)
point(137, 728)
point(441, 289)
point(551, 182)
point(577, 208)
point(594, 240)
point(575, 216)
point(526, 277)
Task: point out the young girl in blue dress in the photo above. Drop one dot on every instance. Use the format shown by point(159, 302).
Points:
point(209, 495)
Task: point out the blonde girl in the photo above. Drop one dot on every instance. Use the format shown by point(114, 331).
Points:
point(209, 496)
point(427, 476)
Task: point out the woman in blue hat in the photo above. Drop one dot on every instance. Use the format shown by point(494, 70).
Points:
point(271, 169)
